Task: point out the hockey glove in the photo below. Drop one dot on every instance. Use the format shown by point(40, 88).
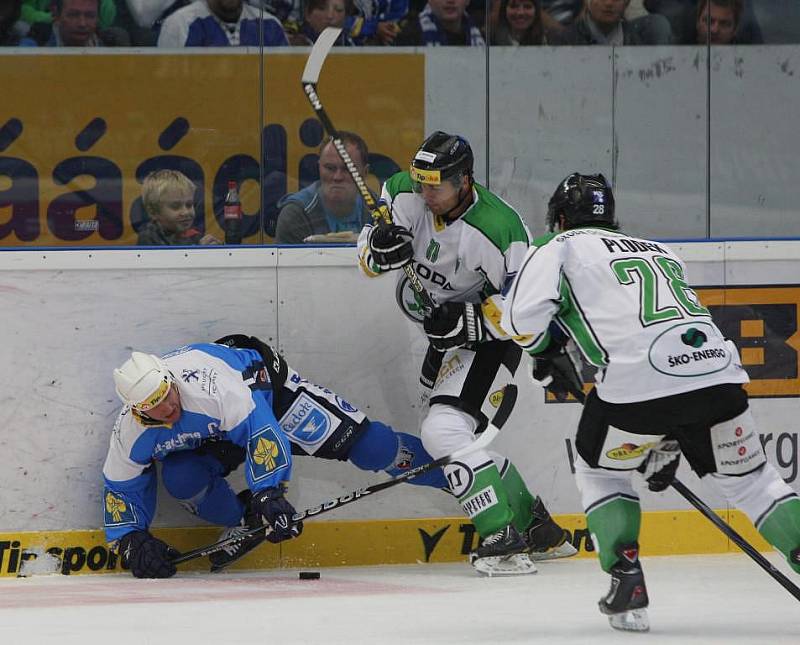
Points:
point(390, 246)
point(147, 556)
point(273, 509)
point(555, 371)
point(660, 466)
point(454, 324)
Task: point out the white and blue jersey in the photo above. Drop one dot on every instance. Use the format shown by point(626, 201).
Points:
point(196, 26)
point(225, 393)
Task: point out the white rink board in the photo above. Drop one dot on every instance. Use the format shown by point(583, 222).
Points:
point(69, 317)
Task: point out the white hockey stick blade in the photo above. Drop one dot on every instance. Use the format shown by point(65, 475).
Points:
point(319, 53)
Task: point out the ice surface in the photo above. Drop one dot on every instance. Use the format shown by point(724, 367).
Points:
point(694, 599)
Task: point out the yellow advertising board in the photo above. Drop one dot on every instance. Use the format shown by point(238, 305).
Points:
point(763, 322)
point(78, 133)
point(357, 542)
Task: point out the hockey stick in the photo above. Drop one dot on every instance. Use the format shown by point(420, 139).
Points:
point(727, 529)
point(743, 544)
point(379, 213)
point(488, 435)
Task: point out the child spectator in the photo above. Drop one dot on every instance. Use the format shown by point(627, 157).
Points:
point(441, 23)
point(168, 198)
point(317, 15)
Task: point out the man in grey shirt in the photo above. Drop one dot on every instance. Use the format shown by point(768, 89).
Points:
point(330, 210)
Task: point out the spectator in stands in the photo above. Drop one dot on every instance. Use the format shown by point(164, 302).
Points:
point(563, 11)
point(522, 22)
point(376, 22)
point(142, 19)
point(685, 16)
point(331, 209)
point(717, 21)
point(75, 24)
point(221, 23)
point(168, 198)
point(13, 31)
point(442, 23)
point(603, 23)
point(35, 11)
point(317, 15)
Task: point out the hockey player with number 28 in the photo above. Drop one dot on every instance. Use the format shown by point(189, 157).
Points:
point(668, 383)
point(465, 244)
point(202, 411)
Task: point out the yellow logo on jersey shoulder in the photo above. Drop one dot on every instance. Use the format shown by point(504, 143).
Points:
point(496, 398)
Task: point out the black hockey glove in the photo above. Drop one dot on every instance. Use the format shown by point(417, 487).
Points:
point(147, 556)
point(661, 464)
point(274, 511)
point(390, 246)
point(454, 324)
point(555, 371)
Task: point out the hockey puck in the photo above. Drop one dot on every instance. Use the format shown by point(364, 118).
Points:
point(308, 575)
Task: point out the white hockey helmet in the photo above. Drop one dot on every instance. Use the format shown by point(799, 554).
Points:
point(143, 381)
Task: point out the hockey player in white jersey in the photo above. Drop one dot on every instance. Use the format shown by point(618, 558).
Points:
point(465, 243)
point(203, 410)
point(668, 383)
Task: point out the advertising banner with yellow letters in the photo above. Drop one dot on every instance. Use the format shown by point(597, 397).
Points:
point(78, 134)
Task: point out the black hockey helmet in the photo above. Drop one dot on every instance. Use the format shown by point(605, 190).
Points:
point(441, 156)
point(582, 199)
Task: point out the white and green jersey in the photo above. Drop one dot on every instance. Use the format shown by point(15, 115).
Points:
point(466, 260)
point(626, 304)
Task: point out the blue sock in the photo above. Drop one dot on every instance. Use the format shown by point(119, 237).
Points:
point(381, 448)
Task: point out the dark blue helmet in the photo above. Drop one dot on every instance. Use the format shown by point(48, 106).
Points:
point(583, 200)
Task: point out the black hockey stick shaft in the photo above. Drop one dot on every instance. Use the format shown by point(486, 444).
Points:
point(743, 544)
point(380, 214)
point(488, 435)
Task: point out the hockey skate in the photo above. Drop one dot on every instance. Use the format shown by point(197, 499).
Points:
point(546, 539)
point(502, 554)
point(233, 552)
point(626, 601)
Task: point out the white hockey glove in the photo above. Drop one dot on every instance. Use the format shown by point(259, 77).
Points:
point(454, 324)
point(390, 246)
point(661, 464)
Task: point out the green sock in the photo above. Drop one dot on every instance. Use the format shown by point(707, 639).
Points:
point(519, 498)
point(781, 528)
point(486, 502)
point(611, 524)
